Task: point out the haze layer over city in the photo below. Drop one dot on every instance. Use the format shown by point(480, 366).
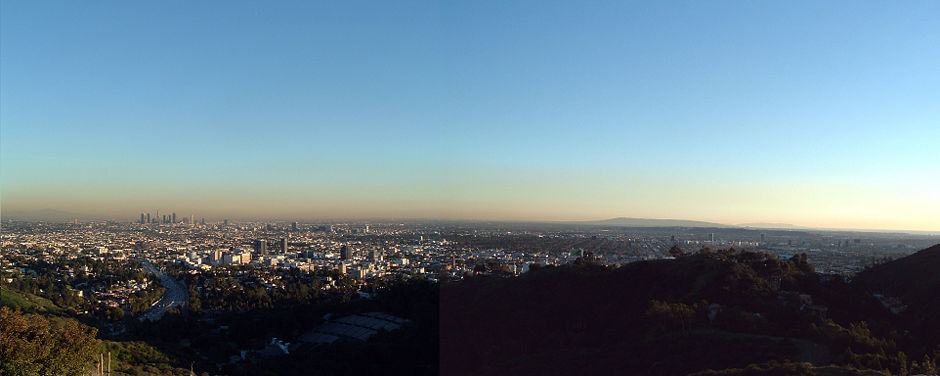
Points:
point(469, 188)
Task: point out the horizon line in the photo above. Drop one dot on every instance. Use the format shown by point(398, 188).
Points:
point(585, 222)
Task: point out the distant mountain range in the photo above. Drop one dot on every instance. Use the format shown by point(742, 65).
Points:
point(784, 226)
point(50, 215)
point(647, 222)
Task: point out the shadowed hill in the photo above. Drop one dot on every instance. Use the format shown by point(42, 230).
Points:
point(914, 278)
point(711, 310)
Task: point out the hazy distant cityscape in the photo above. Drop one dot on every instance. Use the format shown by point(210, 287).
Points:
point(370, 251)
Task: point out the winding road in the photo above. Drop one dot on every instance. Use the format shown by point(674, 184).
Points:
point(175, 294)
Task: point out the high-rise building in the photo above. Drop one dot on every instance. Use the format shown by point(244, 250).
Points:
point(148, 218)
point(711, 236)
point(762, 238)
point(261, 246)
point(294, 226)
point(163, 221)
point(225, 222)
point(174, 218)
point(344, 253)
point(192, 219)
point(142, 218)
point(283, 245)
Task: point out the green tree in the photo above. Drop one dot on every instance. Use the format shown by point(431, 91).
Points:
point(670, 315)
point(32, 345)
point(927, 366)
point(675, 251)
point(114, 313)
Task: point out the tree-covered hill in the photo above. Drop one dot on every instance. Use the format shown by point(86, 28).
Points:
point(912, 285)
point(720, 310)
point(30, 344)
point(39, 338)
point(914, 277)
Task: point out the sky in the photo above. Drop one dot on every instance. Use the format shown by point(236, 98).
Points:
point(821, 114)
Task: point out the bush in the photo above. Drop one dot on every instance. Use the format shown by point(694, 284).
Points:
point(32, 345)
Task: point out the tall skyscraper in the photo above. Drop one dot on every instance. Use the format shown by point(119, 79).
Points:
point(148, 218)
point(711, 237)
point(142, 218)
point(261, 246)
point(225, 222)
point(294, 226)
point(192, 219)
point(344, 253)
point(283, 245)
point(174, 218)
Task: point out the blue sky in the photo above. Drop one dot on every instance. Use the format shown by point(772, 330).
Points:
point(815, 113)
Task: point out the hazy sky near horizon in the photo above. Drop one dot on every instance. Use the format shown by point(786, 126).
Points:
point(813, 113)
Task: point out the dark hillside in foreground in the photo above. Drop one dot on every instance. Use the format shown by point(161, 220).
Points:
point(915, 278)
point(720, 310)
point(911, 284)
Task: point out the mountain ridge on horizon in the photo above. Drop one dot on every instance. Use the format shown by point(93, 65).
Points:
point(47, 214)
point(651, 222)
point(773, 225)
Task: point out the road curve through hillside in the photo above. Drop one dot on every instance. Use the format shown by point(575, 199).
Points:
point(175, 294)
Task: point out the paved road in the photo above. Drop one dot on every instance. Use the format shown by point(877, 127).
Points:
point(176, 293)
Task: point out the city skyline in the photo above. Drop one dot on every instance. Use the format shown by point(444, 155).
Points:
point(817, 115)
